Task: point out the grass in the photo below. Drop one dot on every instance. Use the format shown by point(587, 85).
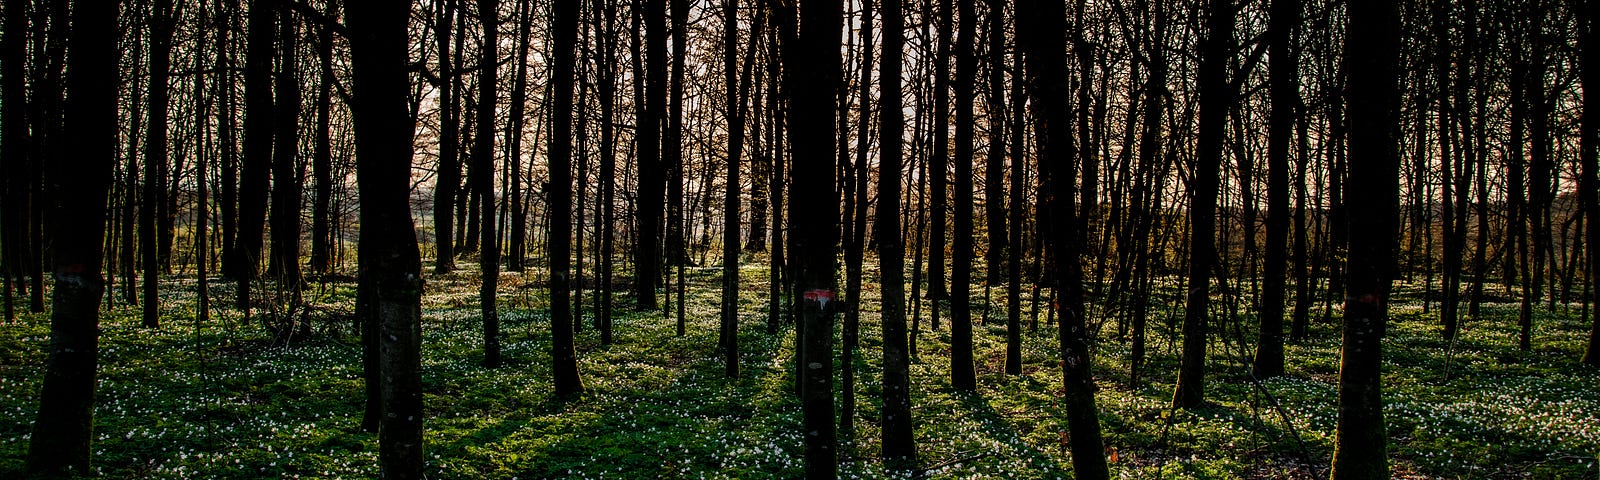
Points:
point(229, 401)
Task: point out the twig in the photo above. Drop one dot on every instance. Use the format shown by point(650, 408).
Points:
point(956, 461)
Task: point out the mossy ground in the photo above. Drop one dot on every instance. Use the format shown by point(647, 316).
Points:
point(230, 401)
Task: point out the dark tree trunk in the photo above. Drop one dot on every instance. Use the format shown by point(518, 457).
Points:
point(1018, 175)
point(322, 156)
point(448, 178)
point(962, 373)
point(813, 73)
point(1371, 46)
point(483, 182)
point(608, 162)
point(1590, 139)
point(391, 264)
point(1216, 99)
point(1042, 39)
point(563, 354)
point(1285, 99)
point(517, 247)
point(155, 159)
point(738, 92)
point(1453, 243)
point(938, 166)
point(15, 143)
point(287, 170)
point(647, 251)
point(255, 169)
point(898, 442)
point(994, 174)
point(78, 176)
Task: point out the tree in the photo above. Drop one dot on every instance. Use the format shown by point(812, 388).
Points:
point(608, 162)
point(287, 170)
point(563, 354)
point(78, 176)
point(1371, 49)
point(899, 444)
point(647, 254)
point(449, 176)
point(1590, 139)
point(254, 169)
point(1215, 101)
point(1041, 37)
point(1285, 98)
point(962, 373)
point(155, 157)
point(14, 146)
point(322, 158)
point(738, 86)
point(813, 74)
point(392, 263)
point(483, 181)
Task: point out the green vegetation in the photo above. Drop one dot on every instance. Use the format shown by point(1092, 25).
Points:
point(231, 402)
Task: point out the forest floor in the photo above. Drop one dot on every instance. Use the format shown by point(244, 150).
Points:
point(229, 401)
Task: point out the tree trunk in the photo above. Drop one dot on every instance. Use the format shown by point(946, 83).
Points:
point(392, 264)
point(1590, 143)
point(517, 247)
point(813, 73)
point(1042, 38)
point(962, 373)
point(287, 170)
point(608, 162)
point(78, 175)
point(448, 178)
point(1285, 99)
point(564, 356)
point(322, 157)
point(255, 169)
point(899, 445)
point(483, 182)
point(648, 249)
point(1216, 99)
point(1372, 45)
point(155, 158)
point(938, 167)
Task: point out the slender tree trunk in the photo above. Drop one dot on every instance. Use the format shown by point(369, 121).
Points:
point(1590, 150)
point(938, 167)
point(517, 247)
point(448, 178)
point(608, 162)
point(1216, 99)
point(898, 443)
point(1285, 98)
point(563, 354)
point(78, 176)
point(155, 157)
point(255, 169)
point(483, 182)
point(962, 373)
point(813, 73)
point(1372, 45)
point(286, 167)
point(1042, 38)
point(393, 267)
point(322, 158)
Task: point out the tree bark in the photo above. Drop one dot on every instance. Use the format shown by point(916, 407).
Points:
point(393, 267)
point(483, 181)
point(155, 159)
point(563, 354)
point(898, 442)
point(78, 177)
point(1216, 99)
point(813, 73)
point(1371, 46)
point(1285, 99)
point(255, 169)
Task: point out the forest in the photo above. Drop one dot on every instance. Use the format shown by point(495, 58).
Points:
point(1348, 239)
